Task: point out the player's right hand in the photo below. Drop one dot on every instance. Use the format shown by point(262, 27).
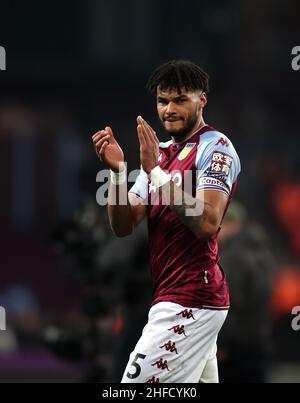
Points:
point(108, 149)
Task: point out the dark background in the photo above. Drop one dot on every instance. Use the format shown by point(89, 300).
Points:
point(69, 288)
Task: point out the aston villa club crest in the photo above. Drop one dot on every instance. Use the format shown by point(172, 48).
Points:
point(185, 152)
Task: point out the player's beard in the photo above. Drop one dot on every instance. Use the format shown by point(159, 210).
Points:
point(190, 124)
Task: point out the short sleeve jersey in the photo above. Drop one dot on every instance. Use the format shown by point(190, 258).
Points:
point(184, 269)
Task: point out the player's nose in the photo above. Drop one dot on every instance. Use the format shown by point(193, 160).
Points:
point(170, 108)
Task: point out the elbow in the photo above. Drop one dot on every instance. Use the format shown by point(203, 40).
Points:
point(206, 231)
point(120, 229)
point(121, 233)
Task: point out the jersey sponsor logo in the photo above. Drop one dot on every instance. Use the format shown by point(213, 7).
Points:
point(170, 347)
point(185, 152)
point(216, 175)
point(221, 163)
point(211, 182)
point(161, 364)
point(223, 142)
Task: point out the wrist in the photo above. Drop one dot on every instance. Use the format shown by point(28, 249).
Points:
point(121, 167)
point(158, 177)
point(120, 177)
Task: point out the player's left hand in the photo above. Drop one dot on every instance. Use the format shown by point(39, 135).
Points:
point(149, 145)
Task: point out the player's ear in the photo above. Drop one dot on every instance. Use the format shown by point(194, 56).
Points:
point(203, 99)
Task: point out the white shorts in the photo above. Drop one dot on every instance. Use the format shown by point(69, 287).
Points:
point(178, 345)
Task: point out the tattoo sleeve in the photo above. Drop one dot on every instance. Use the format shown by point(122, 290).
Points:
point(190, 210)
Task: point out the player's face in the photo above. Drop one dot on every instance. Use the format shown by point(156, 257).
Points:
point(180, 113)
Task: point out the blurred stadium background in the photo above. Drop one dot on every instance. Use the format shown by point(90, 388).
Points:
point(76, 298)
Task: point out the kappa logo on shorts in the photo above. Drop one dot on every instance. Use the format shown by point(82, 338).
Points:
point(170, 347)
point(153, 380)
point(161, 364)
point(185, 152)
point(188, 314)
point(178, 329)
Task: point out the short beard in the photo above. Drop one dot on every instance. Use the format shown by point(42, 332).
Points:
point(190, 124)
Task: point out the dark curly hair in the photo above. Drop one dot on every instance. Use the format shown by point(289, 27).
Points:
point(178, 74)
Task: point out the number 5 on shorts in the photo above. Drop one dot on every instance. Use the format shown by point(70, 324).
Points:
point(136, 366)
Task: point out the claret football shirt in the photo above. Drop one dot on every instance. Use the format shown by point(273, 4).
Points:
point(184, 269)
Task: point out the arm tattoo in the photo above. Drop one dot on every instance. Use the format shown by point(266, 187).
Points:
point(189, 209)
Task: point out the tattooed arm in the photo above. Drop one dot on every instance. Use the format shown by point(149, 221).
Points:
point(203, 214)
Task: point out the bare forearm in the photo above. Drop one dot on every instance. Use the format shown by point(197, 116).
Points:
point(119, 210)
point(194, 213)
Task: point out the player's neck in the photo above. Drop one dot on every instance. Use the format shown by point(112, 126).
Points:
point(182, 139)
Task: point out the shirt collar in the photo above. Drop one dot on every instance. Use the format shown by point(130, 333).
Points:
point(193, 134)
